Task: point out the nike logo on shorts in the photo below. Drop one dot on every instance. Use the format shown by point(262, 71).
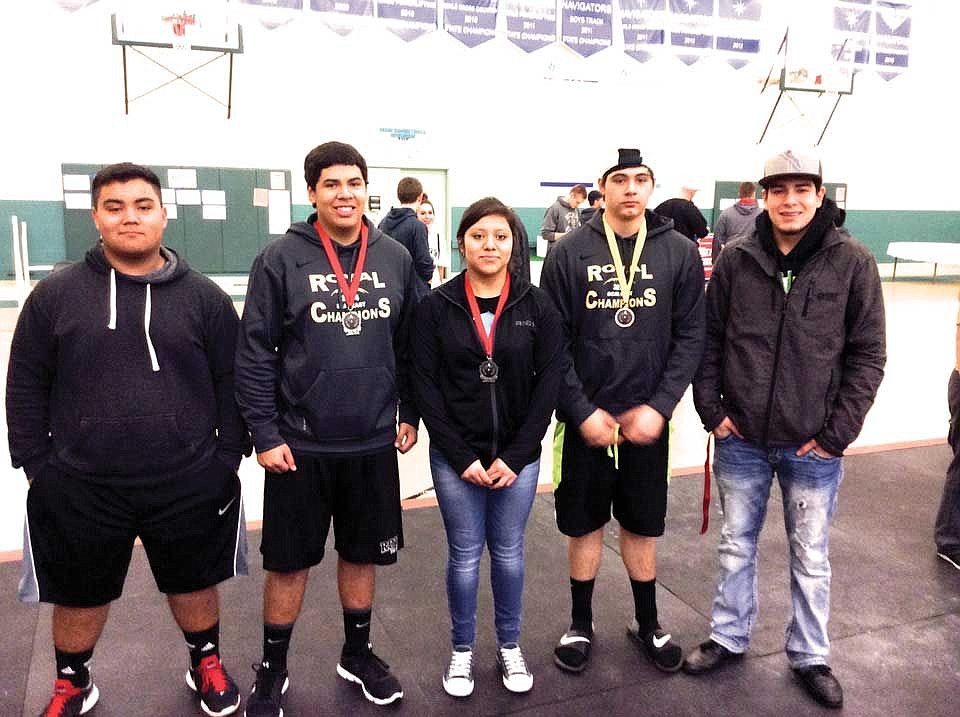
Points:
point(227, 506)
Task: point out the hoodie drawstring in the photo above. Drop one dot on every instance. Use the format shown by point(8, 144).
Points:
point(112, 324)
point(146, 330)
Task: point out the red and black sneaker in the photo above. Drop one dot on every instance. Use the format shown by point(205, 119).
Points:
point(218, 693)
point(69, 700)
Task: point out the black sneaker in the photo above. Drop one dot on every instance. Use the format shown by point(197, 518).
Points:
point(663, 652)
point(218, 693)
point(69, 700)
point(372, 674)
point(819, 682)
point(708, 656)
point(266, 695)
point(572, 652)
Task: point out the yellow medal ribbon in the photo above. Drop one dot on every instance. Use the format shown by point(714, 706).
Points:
point(625, 285)
point(613, 451)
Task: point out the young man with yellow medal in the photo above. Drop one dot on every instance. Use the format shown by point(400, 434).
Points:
point(630, 292)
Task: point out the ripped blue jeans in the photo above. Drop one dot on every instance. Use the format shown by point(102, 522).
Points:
point(744, 474)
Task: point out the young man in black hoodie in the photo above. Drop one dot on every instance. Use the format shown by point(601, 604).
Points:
point(794, 357)
point(121, 410)
point(321, 370)
point(401, 223)
point(630, 293)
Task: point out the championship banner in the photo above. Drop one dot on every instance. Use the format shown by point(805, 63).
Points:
point(274, 13)
point(287, 4)
point(738, 31)
point(531, 24)
point(851, 31)
point(891, 49)
point(587, 25)
point(408, 19)
point(340, 15)
point(692, 28)
point(472, 22)
point(73, 5)
point(644, 27)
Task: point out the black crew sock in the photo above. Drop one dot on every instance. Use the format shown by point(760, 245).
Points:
point(356, 630)
point(203, 643)
point(276, 642)
point(74, 666)
point(645, 604)
point(581, 614)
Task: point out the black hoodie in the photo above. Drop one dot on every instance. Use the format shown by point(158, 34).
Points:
point(300, 379)
point(401, 223)
point(653, 360)
point(122, 377)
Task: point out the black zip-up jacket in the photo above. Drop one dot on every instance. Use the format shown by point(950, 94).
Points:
point(300, 379)
point(790, 367)
point(651, 362)
point(93, 391)
point(401, 223)
point(470, 420)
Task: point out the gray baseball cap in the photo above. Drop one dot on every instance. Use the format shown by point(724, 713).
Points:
point(792, 164)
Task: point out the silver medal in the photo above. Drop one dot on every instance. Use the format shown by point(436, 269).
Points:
point(351, 323)
point(624, 317)
point(489, 371)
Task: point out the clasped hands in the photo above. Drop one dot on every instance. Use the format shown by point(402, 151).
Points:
point(498, 475)
point(641, 425)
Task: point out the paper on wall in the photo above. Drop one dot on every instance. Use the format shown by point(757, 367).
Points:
point(278, 214)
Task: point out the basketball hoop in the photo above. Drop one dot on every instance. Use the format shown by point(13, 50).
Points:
point(179, 24)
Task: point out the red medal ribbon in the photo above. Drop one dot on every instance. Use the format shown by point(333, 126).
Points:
point(485, 340)
point(349, 292)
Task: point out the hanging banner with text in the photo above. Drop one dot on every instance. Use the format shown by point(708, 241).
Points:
point(587, 25)
point(644, 27)
point(852, 21)
point(472, 22)
point(891, 42)
point(340, 15)
point(738, 31)
point(408, 19)
point(691, 29)
point(531, 24)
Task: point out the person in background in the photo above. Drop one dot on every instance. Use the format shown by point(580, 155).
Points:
point(736, 221)
point(121, 411)
point(595, 204)
point(426, 214)
point(562, 216)
point(687, 219)
point(487, 349)
point(795, 354)
point(947, 528)
point(401, 224)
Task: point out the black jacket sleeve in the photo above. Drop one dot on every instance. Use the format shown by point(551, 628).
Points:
point(30, 375)
point(256, 359)
point(686, 334)
point(427, 365)
point(572, 403)
point(864, 357)
point(708, 381)
point(413, 295)
point(549, 365)
point(233, 441)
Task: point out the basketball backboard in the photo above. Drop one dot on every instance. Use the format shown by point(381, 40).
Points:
point(186, 25)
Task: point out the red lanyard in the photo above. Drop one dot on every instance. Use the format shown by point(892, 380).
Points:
point(349, 292)
point(485, 339)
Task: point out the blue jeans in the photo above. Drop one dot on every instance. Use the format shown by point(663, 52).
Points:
point(809, 484)
point(473, 515)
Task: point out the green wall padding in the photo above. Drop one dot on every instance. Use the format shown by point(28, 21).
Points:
point(44, 232)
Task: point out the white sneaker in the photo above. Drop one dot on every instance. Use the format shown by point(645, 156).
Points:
point(516, 675)
point(458, 679)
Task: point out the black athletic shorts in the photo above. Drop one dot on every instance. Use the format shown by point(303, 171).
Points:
point(590, 485)
point(80, 532)
point(360, 493)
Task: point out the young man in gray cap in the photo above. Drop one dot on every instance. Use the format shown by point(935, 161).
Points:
point(795, 354)
point(630, 293)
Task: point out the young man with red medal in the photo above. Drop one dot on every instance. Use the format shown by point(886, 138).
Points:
point(630, 291)
point(321, 373)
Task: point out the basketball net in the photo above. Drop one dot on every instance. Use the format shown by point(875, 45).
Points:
point(180, 24)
